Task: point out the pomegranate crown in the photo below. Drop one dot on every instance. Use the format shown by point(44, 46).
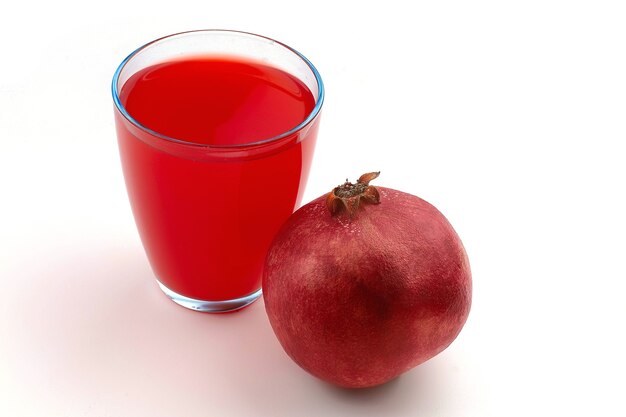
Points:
point(348, 196)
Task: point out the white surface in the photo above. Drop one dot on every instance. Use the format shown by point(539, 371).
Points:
point(508, 116)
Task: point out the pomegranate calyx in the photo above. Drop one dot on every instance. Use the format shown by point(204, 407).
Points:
point(348, 196)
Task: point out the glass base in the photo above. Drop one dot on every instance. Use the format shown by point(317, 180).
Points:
point(211, 306)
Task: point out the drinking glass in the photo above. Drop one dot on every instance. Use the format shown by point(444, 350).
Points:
point(206, 213)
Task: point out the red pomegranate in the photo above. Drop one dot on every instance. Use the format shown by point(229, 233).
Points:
point(365, 283)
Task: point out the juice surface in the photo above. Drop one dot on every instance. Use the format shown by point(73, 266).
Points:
point(216, 100)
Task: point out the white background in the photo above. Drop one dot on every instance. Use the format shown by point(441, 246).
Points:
point(508, 116)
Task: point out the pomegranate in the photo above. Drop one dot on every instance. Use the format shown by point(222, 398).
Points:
point(365, 283)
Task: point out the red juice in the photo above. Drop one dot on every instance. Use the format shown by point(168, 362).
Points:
point(205, 218)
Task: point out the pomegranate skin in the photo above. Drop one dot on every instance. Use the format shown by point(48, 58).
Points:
point(358, 301)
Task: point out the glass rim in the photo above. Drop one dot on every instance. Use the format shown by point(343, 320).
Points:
point(314, 112)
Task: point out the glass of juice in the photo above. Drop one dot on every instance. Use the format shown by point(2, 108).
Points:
point(216, 132)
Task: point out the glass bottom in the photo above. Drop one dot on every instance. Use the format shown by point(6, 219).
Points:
point(211, 306)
